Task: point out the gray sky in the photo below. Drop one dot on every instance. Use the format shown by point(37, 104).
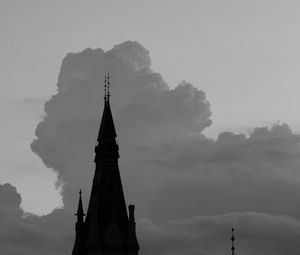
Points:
point(241, 55)
point(238, 52)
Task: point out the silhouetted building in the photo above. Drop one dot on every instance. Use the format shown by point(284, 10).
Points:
point(107, 229)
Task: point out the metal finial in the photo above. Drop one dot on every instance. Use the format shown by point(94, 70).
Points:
point(108, 83)
point(105, 87)
point(80, 192)
point(232, 241)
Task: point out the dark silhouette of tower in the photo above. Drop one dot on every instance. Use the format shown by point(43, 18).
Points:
point(107, 229)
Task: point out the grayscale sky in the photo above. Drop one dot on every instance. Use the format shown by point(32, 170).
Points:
point(219, 80)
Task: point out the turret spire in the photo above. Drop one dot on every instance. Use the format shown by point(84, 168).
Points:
point(232, 241)
point(79, 227)
point(80, 213)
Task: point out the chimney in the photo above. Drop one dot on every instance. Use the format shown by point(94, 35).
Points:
point(132, 240)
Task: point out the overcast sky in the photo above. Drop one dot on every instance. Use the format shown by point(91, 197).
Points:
point(205, 97)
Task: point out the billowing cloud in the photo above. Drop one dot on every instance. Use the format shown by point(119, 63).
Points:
point(170, 170)
point(234, 173)
point(145, 109)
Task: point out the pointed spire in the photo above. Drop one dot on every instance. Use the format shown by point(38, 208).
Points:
point(79, 227)
point(232, 241)
point(80, 213)
point(106, 227)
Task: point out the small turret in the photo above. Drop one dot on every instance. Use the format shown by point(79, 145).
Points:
point(80, 213)
point(79, 227)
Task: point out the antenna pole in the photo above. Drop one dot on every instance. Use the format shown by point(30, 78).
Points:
point(108, 83)
point(232, 241)
point(105, 88)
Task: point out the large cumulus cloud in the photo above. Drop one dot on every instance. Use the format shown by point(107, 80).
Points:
point(170, 170)
point(145, 109)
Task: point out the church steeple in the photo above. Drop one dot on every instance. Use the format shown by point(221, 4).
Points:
point(107, 228)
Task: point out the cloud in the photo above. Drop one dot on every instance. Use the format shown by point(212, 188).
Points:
point(9, 197)
point(49, 234)
point(234, 173)
point(256, 233)
point(145, 108)
point(170, 170)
